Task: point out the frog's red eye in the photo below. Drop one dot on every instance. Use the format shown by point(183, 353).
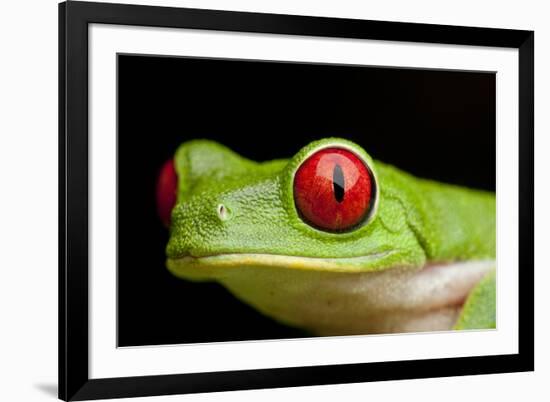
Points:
point(167, 187)
point(334, 190)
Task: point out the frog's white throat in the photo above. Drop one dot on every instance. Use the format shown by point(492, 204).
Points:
point(344, 303)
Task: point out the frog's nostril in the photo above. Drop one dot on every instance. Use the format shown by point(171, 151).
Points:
point(223, 212)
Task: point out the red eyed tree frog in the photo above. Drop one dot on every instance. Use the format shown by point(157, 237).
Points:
point(331, 240)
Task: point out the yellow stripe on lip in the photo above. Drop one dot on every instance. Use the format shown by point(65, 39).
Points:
point(344, 264)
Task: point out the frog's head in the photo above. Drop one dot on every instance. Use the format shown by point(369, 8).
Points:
point(325, 209)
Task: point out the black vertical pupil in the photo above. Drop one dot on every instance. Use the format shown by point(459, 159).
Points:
point(338, 182)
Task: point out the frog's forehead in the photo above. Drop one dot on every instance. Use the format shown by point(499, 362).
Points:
point(211, 163)
point(204, 158)
point(210, 158)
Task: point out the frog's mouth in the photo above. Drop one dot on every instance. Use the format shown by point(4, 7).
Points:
point(235, 260)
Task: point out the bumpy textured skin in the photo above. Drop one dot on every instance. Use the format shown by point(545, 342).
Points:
point(416, 221)
point(479, 311)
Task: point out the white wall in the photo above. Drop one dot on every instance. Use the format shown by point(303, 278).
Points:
point(28, 202)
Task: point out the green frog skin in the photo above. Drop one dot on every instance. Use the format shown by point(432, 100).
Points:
point(420, 258)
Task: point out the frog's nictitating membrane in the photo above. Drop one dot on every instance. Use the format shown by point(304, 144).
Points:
point(330, 240)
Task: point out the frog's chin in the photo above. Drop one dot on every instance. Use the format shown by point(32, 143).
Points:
point(331, 300)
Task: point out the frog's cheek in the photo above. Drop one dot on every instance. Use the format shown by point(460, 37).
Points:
point(393, 216)
point(166, 191)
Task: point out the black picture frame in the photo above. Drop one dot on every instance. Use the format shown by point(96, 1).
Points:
point(74, 381)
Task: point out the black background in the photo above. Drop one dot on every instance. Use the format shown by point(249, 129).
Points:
point(434, 124)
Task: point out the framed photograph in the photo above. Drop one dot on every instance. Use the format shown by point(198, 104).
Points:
point(256, 200)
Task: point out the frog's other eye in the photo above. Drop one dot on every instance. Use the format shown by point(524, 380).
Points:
point(334, 190)
point(167, 187)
